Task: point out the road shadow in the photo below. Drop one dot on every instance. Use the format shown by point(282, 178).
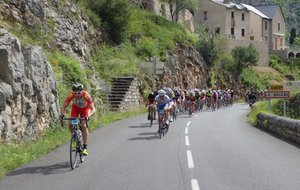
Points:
point(146, 136)
point(142, 125)
point(45, 170)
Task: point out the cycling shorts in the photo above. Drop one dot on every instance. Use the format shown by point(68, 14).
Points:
point(76, 111)
point(162, 106)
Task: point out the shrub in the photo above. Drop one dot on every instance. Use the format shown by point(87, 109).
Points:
point(252, 79)
point(147, 47)
point(115, 14)
point(115, 61)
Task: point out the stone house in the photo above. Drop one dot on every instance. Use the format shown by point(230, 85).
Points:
point(244, 24)
point(273, 30)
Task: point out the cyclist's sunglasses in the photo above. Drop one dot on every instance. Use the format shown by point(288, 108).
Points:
point(78, 92)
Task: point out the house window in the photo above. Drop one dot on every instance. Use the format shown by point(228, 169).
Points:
point(278, 26)
point(266, 25)
point(232, 14)
point(232, 31)
point(205, 15)
point(243, 16)
point(243, 32)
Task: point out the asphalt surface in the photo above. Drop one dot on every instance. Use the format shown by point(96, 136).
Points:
point(208, 151)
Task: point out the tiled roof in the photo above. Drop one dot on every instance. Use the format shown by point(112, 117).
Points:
point(268, 10)
point(241, 6)
point(256, 11)
point(229, 5)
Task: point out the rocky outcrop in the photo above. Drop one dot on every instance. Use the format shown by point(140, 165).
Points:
point(184, 69)
point(28, 96)
point(63, 20)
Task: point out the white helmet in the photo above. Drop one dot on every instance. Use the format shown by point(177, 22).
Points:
point(161, 92)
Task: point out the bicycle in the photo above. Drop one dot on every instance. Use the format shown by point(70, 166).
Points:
point(152, 113)
point(175, 112)
point(163, 127)
point(76, 143)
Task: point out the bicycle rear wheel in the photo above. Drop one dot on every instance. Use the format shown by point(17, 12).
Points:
point(73, 152)
point(160, 131)
point(151, 118)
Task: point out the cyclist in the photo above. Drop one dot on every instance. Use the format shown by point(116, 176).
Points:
point(171, 108)
point(82, 104)
point(191, 102)
point(162, 102)
point(209, 99)
point(150, 102)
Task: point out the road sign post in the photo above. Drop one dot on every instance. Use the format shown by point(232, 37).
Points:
point(277, 94)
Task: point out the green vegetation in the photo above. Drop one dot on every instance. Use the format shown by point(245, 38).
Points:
point(260, 77)
point(291, 67)
point(276, 108)
point(210, 46)
point(115, 61)
point(244, 57)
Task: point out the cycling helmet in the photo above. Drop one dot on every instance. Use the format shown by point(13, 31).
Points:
point(77, 87)
point(161, 92)
point(169, 92)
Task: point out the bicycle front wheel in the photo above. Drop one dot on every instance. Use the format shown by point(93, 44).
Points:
point(73, 152)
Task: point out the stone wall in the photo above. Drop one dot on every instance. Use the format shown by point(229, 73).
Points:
point(260, 46)
point(287, 128)
point(132, 99)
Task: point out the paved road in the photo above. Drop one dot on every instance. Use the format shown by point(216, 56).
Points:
point(209, 151)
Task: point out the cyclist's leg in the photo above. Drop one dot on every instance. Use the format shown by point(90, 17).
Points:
point(171, 109)
point(167, 113)
point(84, 129)
point(159, 107)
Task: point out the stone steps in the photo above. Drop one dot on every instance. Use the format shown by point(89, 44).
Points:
point(119, 88)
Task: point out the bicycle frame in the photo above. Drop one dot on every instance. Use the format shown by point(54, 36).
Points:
point(76, 138)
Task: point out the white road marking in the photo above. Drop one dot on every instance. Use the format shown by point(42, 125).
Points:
point(188, 124)
point(195, 185)
point(190, 159)
point(186, 130)
point(187, 142)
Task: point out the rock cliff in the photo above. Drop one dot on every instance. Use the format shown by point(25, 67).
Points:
point(28, 96)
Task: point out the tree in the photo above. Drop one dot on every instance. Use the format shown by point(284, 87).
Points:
point(114, 14)
point(176, 6)
point(210, 45)
point(244, 57)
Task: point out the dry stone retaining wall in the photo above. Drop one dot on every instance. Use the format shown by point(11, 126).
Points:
point(287, 128)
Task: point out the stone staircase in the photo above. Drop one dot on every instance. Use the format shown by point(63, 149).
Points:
point(120, 88)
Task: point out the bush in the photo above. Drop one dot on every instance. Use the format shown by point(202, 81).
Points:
point(115, 61)
point(115, 14)
point(244, 57)
point(252, 79)
point(227, 62)
point(146, 47)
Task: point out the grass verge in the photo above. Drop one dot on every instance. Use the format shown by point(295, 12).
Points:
point(17, 154)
